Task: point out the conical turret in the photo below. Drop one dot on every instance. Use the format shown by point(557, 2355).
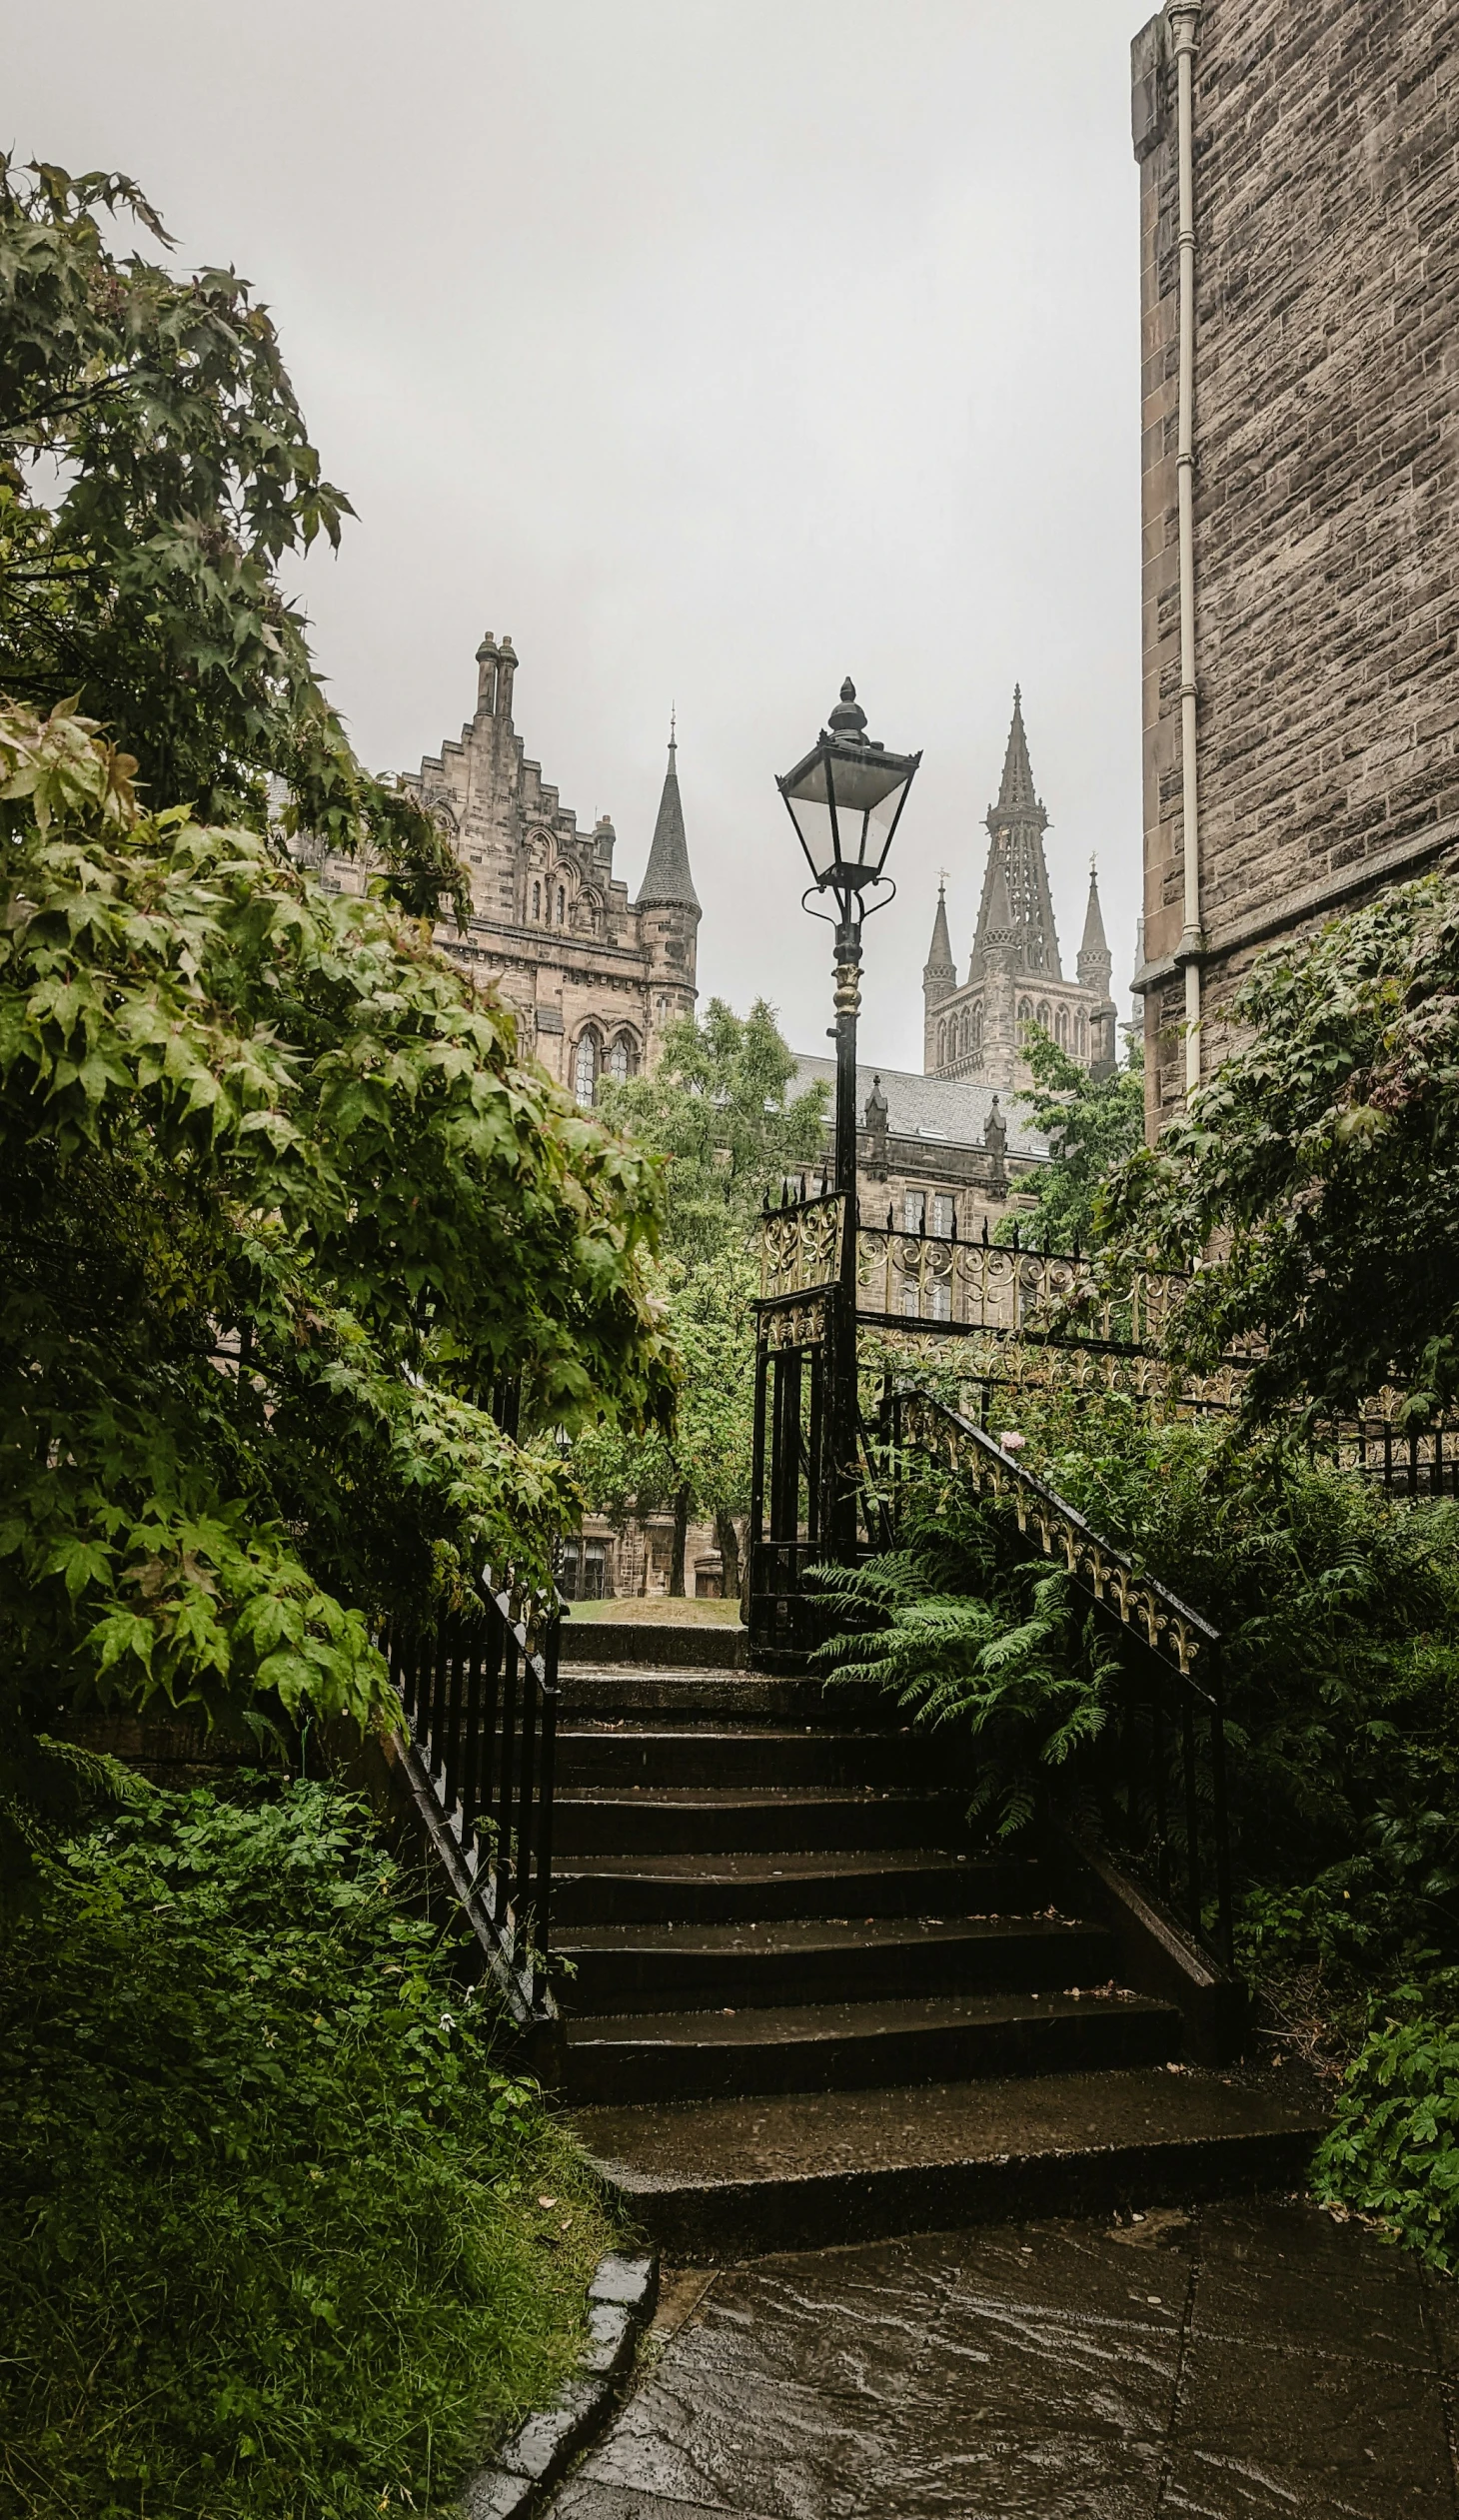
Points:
point(1094, 962)
point(939, 971)
point(1016, 792)
point(666, 878)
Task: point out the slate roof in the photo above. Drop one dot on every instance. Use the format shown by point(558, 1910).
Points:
point(666, 878)
point(947, 1110)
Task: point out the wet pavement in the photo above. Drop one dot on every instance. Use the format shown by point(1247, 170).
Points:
point(1232, 2362)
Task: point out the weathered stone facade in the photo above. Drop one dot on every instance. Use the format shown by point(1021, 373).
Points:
point(977, 1029)
point(939, 1155)
point(1325, 195)
point(594, 978)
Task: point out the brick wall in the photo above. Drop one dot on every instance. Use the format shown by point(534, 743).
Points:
point(1326, 492)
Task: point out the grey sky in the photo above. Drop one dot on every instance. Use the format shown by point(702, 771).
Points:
point(713, 352)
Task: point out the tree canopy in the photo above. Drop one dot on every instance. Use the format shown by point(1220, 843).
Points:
point(1313, 1182)
point(719, 1110)
point(281, 1205)
point(1092, 1125)
point(155, 468)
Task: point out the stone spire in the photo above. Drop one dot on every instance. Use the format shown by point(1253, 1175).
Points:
point(1016, 826)
point(939, 971)
point(666, 878)
point(1094, 961)
point(997, 930)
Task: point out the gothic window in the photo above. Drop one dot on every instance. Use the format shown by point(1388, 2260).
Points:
point(1026, 1017)
point(913, 1208)
point(940, 1300)
point(909, 1299)
point(619, 1062)
point(941, 1045)
point(1079, 1036)
point(943, 1215)
point(584, 1069)
point(1044, 1014)
point(561, 907)
point(536, 900)
point(976, 1041)
point(1061, 1028)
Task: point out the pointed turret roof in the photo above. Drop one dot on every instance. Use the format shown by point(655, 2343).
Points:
point(1093, 940)
point(940, 964)
point(666, 878)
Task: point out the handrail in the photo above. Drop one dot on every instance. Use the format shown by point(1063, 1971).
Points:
point(1162, 1775)
point(1170, 1626)
point(478, 1700)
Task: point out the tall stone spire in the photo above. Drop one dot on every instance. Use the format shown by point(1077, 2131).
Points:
point(1016, 826)
point(666, 878)
point(939, 971)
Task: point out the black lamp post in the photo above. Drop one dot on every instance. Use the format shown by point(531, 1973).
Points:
point(845, 800)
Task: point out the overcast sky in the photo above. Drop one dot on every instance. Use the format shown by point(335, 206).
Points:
point(714, 352)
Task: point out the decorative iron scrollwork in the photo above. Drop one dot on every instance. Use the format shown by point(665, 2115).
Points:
point(800, 1247)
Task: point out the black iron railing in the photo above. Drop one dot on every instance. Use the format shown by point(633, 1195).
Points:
point(1159, 1769)
point(478, 1703)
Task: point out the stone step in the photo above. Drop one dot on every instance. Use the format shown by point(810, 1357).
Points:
point(839, 2046)
point(818, 2170)
point(710, 1821)
point(717, 1698)
point(605, 1756)
point(829, 1881)
point(824, 1961)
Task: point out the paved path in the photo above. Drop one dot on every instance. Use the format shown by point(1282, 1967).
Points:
point(1235, 2363)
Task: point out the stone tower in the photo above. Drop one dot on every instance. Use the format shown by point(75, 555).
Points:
point(668, 907)
point(1015, 827)
point(1015, 978)
point(1095, 965)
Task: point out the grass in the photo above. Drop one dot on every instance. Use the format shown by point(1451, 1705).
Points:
point(657, 1610)
point(279, 2239)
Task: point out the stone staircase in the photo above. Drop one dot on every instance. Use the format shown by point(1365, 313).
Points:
point(789, 1971)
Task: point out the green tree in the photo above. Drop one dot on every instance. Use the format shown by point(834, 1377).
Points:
point(1313, 1181)
point(155, 467)
point(1093, 1124)
point(719, 1108)
point(281, 1206)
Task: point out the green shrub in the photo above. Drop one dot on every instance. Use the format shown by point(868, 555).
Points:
point(1393, 2147)
point(269, 2231)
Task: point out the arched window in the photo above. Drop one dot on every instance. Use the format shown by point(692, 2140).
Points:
point(1061, 1028)
point(975, 1041)
point(941, 1045)
point(1026, 1017)
point(561, 907)
point(536, 900)
point(1079, 1036)
point(1044, 1014)
point(584, 1069)
point(619, 1062)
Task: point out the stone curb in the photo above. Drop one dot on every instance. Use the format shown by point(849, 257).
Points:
point(621, 2301)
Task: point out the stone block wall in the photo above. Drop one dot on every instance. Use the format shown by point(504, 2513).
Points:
point(1326, 195)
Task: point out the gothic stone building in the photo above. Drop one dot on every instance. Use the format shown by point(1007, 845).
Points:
point(1300, 475)
point(1016, 979)
point(593, 977)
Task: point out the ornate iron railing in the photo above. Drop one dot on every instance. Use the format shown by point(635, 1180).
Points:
point(1160, 1768)
point(479, 1698)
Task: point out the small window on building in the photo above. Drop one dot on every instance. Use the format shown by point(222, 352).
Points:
point(619, 1061)
point(1061, 1028)
point(944, 1222)
point(940, 1300)
point(909, 1300)
point(1026, 1017)
point(584, 1069)
point(536, 900)
point(561, 907)
point(1044, 1015)
point(913, 1208)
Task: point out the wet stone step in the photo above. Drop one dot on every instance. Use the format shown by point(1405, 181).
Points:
point(810, 2047)
point(608, 1756)
point(825, 1961)
point(709, 1821)
point(817, 2170)
point(829, 1881)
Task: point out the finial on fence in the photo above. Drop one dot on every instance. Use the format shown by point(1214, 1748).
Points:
point(1076, 1249)
point(802, 1189)
point(1017, 1246)
point(1045, 1242)
point(987, 1237)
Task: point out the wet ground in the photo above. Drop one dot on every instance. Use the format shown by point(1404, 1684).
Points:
point(1232, 2363)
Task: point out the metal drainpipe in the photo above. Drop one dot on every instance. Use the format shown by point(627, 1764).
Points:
point(1184, 16)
